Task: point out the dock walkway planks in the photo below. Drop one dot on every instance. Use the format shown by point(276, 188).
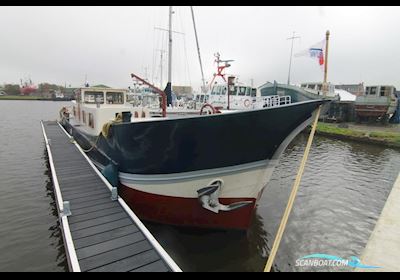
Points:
point(100, 234)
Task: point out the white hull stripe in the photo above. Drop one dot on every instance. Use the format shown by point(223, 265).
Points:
point(175, 177)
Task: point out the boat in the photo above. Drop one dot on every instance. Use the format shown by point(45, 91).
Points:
point(217, 97)
point(317, 88)
point(202, 167)
point(188, 170)
point(27, 87)
point(378, 103)
point(234, 95)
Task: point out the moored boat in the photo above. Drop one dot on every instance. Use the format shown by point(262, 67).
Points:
point(190, 170)
point(198, 167)
point(378, 103)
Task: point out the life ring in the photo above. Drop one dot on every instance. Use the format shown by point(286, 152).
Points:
point(207, 109)
point(247, 103)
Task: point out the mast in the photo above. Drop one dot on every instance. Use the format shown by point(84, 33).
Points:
point(198, 50)
point(291, 54)
point(161, 66)
point(325, 84)
point(170, 44)
point(168, 88)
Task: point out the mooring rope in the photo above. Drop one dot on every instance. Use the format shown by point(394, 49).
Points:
point(94, 145)
point(292, 197)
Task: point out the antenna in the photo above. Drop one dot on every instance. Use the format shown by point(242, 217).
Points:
point(291, 54)
point(220, 68)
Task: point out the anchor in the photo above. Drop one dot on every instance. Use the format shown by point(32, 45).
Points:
point(208, 198)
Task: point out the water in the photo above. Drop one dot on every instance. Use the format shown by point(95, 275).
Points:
point(343, 191)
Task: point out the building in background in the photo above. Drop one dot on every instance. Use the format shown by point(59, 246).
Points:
point(183, 91)
point(356, 89)
point(69, 93)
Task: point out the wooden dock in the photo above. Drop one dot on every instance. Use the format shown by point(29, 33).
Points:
point(100, 232)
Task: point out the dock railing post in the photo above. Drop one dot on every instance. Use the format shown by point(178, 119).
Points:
point(114, 194)
point(66, 209)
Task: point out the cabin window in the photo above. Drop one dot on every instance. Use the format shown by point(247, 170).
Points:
point(217, 90)
point(253, 92)
point(91, 121)
point(234, 90)
point(248, 91)
point(242, 91)
point(223, 91)
point(115, 97)
point(372, 91)
point(197, 98)
point(383, 89)
point(202, 98)
point(93, 97)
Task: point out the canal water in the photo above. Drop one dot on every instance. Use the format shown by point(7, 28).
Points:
point(343, 191)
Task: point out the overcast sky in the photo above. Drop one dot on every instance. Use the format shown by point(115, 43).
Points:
point(63, 44)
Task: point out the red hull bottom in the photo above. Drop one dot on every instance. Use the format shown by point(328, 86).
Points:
point(186, 211)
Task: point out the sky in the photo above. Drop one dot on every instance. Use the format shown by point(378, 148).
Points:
point(63, 45)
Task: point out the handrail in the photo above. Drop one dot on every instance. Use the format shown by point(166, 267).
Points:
point(68, 241)
point(171, 263)
point(274, 100)
point(59, 198)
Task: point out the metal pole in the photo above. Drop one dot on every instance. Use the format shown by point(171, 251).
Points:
point(198, 50)
point(291, 54)
point(170, 45)
point(326, 64)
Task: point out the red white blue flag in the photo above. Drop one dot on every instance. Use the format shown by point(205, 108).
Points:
point(316, 51)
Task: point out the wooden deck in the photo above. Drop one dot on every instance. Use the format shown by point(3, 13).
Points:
point(100, 234)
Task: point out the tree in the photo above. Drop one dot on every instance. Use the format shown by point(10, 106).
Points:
point(11, 89)
point(47, 87)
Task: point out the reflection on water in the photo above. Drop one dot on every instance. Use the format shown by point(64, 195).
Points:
point(29, 236)
point(55, 230)
point(343, 191)
point(214, 250)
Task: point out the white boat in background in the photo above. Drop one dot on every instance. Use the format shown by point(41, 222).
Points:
point(317, 89)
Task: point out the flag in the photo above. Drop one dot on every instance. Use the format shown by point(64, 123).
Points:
point(316, 51)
